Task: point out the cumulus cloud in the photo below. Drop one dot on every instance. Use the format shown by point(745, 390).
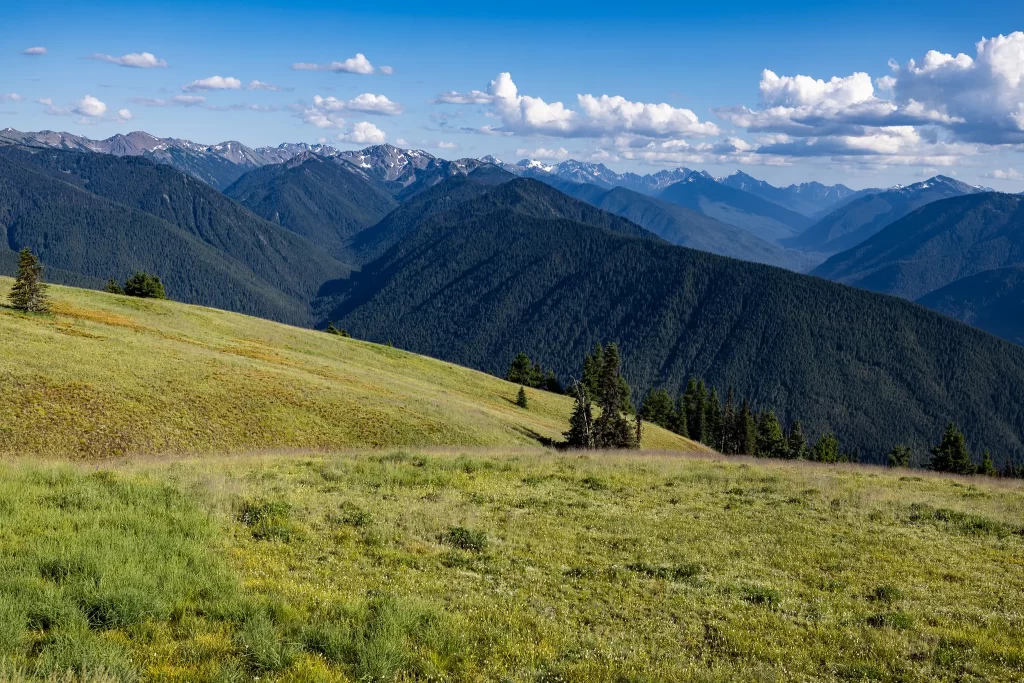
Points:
point(442, 144)
point(364, 133)
point(124, 115)
point(353, 65)
point(91, 107)
point(262, 85)
point(52, 109)
point(597, 116)
point(367, 103)
point(136, 60)
point(1008, 174)
point(37, 51)
point(11, 97)
point(544, 154)
point(387, 70)
point(213, 83)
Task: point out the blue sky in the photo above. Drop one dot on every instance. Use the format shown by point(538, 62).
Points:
point(685, 85)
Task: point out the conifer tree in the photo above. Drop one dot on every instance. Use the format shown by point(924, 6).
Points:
point(826, 449)
point(581, 422)
point(713, 421)
point(770, 442)
point(521, 370)
point(113, 287)
point(797, 442)
point(679, 425)
point(593, 366)
point(744, 431)
point(145, 286)
point(657, 407)
point(987, 467)
point(952, 455)
point(521, 399)
point(729, 423)
point(900, 456)
point(611, 430)
point(29, 293)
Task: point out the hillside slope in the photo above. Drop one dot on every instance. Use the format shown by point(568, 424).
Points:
point(756, 215)
point(683, 226)
point(935, 246)
point(493, 276)
point(323, 200)
point(992, 300)
point(858, 220)
point(110, 375)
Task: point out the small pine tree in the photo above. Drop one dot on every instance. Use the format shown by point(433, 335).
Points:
point(987, 467)
point(745, 432)
point(145, 286)
point(29, 293)
point(729, 423)
point(679, 425)
point(580, 434)
point(593, 365)
point(521, 399)
point(952, 455)
point(657, 408)
point(521, 370)
point(713, 421)
point(900, 456)
point(611, 430)
point(113, 287)
point(797, 442)
point(770, 442)
point(331, 329)
point(826, 449)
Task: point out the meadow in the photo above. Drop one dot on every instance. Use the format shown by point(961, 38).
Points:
point(510, 566)
point(193, 495)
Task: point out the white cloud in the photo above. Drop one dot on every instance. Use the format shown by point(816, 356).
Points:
point(442, 144)
point(387, 70)
point(1008, 174)
point(91, 107)
point(11, 97)
point(213, 83)
point(604, 115)
point(322, 119)
point(262, 85)
point(51, 108)
point(137, 60)
point(367, 103)
point(401, 142)
point(38, 51)
point(364, 133)
point(124, 115)
point(544, 154)
point(353, 65)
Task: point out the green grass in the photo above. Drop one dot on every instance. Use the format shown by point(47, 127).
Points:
point(520, 566)
point(112, 375)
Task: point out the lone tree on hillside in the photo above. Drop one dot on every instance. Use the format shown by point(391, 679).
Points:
point(952, 455)
point(797, 442)
point(987, 467)
point(145, 286)
point(770, 443)
point(521, 400)
point(29, 292)
point(826, 449)
point(900, 456)
point(611, 429)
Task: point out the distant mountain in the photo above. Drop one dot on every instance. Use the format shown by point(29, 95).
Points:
point(811, 199)
point(587, 173)
point(516, 267)
point(935, 245)
point(992, 300)
point(858, 220)
point(765, 219)
point(325, 200)
point(103, 216)
point(682, 226)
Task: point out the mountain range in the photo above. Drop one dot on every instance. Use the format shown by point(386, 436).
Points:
point(469, 263)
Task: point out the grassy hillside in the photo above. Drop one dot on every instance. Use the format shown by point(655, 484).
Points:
point(110, 375)
point(511, 567)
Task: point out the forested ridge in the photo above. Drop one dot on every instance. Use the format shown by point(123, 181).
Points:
point(497, 275)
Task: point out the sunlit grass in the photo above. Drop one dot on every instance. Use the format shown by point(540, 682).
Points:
point(519, 566)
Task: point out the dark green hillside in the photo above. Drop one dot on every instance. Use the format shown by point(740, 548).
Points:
point(493, 277)
point(758, 216)
point(683, 226)
point(935, 246)
point(287, 261)
point(992, 300)
point(323, 200)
